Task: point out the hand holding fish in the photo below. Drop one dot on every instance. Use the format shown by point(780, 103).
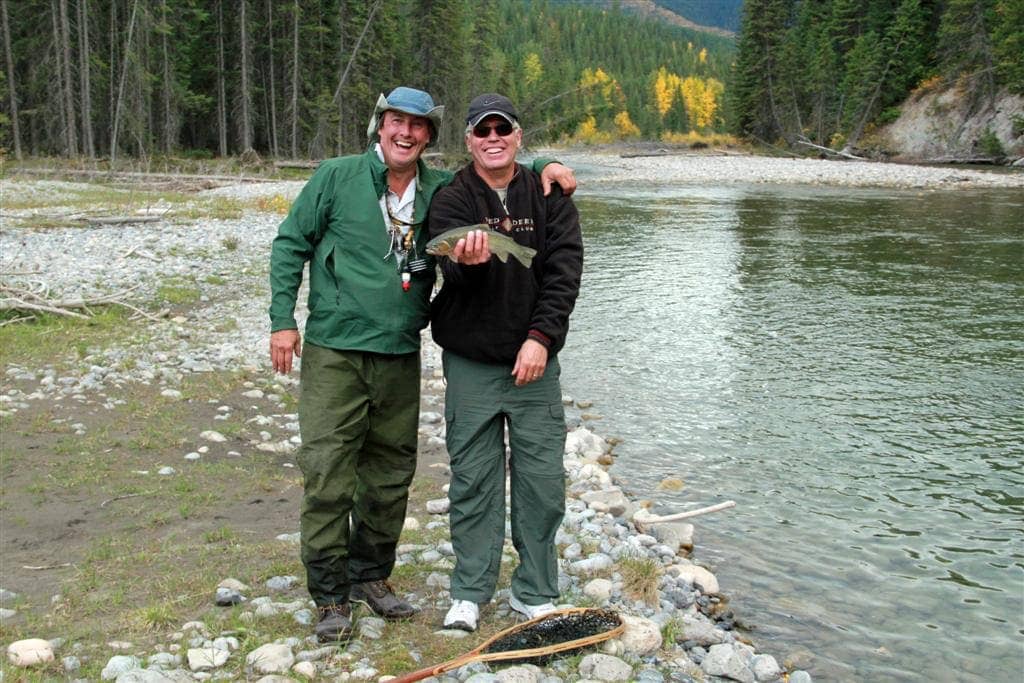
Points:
point(473, 249)
point(530, 362)
point(497, 244)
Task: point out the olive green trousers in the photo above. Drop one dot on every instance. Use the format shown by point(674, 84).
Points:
point(358, 416)
point(480, 401)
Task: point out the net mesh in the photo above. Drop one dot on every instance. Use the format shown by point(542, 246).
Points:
point(555, 630)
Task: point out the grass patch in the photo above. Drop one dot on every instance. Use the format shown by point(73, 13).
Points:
point(275, 204)
point(53, 339)
point(178, 292)
point(73, 205)
point(640, 577)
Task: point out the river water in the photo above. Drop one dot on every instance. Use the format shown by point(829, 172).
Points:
point(848, 366)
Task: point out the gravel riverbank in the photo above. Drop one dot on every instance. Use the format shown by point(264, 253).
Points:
point(655, 166)
point(678, 625)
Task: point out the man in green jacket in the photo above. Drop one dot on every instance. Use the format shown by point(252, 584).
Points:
point(357, 223)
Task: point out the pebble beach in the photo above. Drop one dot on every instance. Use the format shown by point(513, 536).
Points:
point(684, 631)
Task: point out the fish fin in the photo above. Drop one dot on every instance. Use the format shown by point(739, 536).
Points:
point(525, 255)
point(502, 255)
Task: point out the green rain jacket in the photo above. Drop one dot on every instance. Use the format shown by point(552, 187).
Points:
point(356, 301)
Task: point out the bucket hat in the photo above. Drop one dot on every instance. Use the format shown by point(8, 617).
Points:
point(407, 101)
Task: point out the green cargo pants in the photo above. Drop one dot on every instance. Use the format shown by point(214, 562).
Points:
point(358, 416)
point(480, 400)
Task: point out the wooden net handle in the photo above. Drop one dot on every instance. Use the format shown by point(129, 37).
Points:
point(476, 655)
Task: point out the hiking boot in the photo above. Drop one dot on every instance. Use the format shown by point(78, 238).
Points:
point(335, 622)
point(380, 597)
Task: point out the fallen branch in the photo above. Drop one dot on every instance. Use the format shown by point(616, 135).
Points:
point(642, 518)
point(121, 220)
point(47, 566)
point(18, 299)
point(15, 304)
point(829, 150)
point(297, 163)
point(961, 160)
point(137, 311)
point(127, 495)
point(144, 176)
point(17, 320)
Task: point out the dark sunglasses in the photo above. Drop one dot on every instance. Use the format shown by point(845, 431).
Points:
point(482, 131)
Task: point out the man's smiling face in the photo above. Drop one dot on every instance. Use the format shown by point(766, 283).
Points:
point(403, 137)
point(494, 152)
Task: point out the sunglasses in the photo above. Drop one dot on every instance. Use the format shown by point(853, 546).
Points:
point(482, 131)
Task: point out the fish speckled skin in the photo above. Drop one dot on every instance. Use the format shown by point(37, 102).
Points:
point(501, 245)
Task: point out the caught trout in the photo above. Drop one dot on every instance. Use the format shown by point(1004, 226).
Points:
point(501, 245)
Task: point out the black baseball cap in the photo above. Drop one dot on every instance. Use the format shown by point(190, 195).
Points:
point(489, 104)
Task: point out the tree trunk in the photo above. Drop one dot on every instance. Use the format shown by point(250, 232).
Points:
point(222, 114)
point(168, 132)
point(84, 65)
point(112, 61)
point(15, 133)
point(120, 88)
point(66, 86)
point(273, 91)
point(61, 106)
point(246, 94)
point(295, 79)
point(342, 11)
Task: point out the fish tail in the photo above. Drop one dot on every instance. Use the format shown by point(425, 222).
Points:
point(523, 254)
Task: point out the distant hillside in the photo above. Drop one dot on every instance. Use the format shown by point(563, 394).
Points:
point(724, 14)
point(719, 17)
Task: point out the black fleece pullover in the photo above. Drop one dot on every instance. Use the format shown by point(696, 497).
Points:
point(486, 312)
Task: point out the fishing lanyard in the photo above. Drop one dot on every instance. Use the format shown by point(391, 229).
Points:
point(403, 241)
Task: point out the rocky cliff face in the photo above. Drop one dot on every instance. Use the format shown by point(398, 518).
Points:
point(950, 125)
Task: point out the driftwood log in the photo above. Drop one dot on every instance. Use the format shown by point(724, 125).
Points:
point(29, 302)
point(642, 518)
point(828, 150)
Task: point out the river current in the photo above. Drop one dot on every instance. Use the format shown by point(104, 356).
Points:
point(848, 366)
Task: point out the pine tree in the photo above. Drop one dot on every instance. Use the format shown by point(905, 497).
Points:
point(1008, 43)
point(755, 109)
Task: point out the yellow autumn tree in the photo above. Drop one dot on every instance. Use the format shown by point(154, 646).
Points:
point(666, 85)
point(533, 70)
point(588, 132)
point(702, 99)
point(598, 81)
point(713, 90)
point(625, 125)
point(702, 56)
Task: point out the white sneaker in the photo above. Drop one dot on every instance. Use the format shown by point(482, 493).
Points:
point(463, 615)
point(530, 611)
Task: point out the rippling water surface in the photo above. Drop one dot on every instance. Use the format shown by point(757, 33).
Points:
point(848, 365)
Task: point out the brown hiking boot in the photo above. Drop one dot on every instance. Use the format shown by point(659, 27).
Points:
point(335, 622)
point(380, 597)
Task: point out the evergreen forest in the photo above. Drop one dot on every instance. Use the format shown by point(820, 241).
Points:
point(299, 78)
point(828, 71)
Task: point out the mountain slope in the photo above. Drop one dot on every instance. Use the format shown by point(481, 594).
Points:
point(666, 11)
point(724, 14)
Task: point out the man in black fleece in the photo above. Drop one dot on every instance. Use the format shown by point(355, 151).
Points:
point(501, 326)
